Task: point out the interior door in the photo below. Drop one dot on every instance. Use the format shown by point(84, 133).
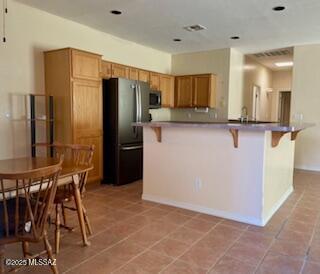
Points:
point(285, 103)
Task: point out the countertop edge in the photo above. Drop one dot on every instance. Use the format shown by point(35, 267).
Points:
point(292, 127)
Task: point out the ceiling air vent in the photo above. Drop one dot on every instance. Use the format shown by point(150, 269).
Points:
point(281, 52)
point(194, 27)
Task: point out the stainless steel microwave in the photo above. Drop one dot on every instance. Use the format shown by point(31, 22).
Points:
point(155, 99)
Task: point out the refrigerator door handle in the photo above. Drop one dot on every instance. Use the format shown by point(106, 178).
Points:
point(140, 104)
point(136, 118)
point(131, 148)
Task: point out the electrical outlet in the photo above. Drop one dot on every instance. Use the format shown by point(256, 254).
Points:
point(197, 184)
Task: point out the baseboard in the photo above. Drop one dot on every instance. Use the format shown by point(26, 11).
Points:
point(273, 210)
point(206, 210)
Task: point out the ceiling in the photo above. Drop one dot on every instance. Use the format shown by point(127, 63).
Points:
point(155, 23)
point(270, 57)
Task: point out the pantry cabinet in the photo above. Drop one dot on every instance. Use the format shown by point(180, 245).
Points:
point(73, 78)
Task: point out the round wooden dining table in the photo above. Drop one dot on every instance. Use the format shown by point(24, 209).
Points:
point(69, 169)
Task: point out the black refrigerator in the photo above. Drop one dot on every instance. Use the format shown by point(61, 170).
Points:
point(124, 102)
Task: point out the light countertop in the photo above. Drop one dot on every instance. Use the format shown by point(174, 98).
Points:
point(260, 126)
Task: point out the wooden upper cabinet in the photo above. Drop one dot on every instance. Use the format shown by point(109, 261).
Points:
point(144, 75)
point(120, 71)
point(133, 74)
point(85, 65)
point(203, 90)
point(106, 69)
point(154, 81)
point(166, 86)
point(195, 91)
point(183, 91)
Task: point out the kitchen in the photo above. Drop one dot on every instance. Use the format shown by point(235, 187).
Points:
point(197, 84)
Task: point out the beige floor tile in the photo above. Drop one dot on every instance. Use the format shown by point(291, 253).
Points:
point(170, 247)
point(180, 267)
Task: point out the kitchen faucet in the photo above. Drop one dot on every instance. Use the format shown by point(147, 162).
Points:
point(244, 114)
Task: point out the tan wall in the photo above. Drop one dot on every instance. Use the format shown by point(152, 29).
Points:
point(305, 100)
point(281, 81)
point(235, 98)
point(256, 74)
point(29, 33)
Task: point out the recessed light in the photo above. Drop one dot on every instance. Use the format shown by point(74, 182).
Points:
point(177, 40)
point(116, 12)
point(279, 8)
point(284, 64)
point(234, 37)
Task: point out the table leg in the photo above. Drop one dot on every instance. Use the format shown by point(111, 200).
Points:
point(77, 198)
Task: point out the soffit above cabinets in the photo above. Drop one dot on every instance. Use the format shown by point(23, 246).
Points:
point(156, 23)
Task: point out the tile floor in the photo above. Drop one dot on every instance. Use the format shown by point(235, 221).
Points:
point(135, 236)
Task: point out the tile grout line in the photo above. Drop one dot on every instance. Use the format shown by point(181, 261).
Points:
point(154, 244)
point(124, 239)
point(231, 245)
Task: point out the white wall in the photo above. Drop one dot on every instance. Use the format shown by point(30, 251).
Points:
point(214, 61)
point(29, 33)
point(306, 100)
point(236, 74)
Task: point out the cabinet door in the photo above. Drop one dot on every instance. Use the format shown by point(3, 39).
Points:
point(154, 81)
point(85, 65)
point(105, 69)
point(120, 71)
point(144, 75)
point(133, 74)
point(183, 91)
point(203, 90)
point(167, 90)
point(87, 119)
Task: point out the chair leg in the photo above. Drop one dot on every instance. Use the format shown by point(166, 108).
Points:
point(86, 219)
point(47, 245)
point(64, 217)
point(1, 258)
point(25, 249)
point(57, 232)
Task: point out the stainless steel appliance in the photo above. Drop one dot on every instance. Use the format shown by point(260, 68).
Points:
point(155, 99)
point(124, 102)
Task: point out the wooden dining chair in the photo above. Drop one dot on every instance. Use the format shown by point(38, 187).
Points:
point(23, 215)
point(79, 155)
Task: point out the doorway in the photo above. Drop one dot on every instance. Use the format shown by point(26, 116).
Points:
point(285, 104)
point(256, 92)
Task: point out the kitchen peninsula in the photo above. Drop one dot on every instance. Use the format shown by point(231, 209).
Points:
point(242, 172)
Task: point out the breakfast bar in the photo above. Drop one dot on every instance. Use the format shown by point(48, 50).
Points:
point(238, 171)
